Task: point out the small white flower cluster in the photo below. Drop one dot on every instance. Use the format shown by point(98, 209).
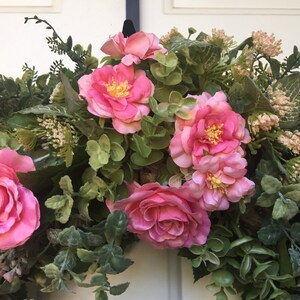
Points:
point(56, 131)
point(280, 101)
point(291, 140)
point(263, 122)
point(266, 44)
point(167, 37)
point(221, 39)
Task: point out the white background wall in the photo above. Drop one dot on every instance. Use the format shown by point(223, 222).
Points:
point(92, 21)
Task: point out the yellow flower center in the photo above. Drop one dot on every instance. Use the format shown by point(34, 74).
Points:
point(118, 89)
point(215, 183)
point(213, 133)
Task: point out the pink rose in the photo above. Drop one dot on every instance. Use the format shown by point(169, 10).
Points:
point(120, 93)
point(163, 216)
point(219, 180)
point(213, 127)
point(19, 209)
point(133, 49)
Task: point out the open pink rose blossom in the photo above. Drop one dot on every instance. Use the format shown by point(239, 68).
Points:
point(163, 216)
point(19, 209)
point(120, 93)
point(139, 46)
point(213, 127)
point(219, 180)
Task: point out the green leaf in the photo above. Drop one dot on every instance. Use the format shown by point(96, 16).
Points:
point(295, 231)
point(51, 271)
point(269, 235)
point(265, 290)
point(87, 256)
point(284, 209)
point(262, 251)
point(223, 278)
point(293, 195)
point(260, 269)
point(117, 152)
point(119, 289)
point(266, 200)
point(215, 244)
point(88, 191)
point(73, 102)
point(241, 241)
point(65, 184)
point(270, 184)
point(50, 109)
point(248, 98)
point(65, 260)
point(245, 266)
point(99, 280)
point(100, 295)
point(70, 237)
point(56, 202)
point(154, 157)
point(116, 225)
point(289, 84)
point(141, 146)
point(99, 152)
point(221, 295)
point(54, 286)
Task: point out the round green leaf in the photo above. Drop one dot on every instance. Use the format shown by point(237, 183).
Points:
point(223, 278)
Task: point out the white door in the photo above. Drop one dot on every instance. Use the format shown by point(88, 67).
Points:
point(156, 274)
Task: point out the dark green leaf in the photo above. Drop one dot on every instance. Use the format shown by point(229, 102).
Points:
point(119, 289)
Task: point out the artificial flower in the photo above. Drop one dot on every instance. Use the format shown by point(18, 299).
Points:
point(139, 46)
point(213, 127)
point(120, 93)
point(219, 180)
point(165, 217)
point(19, 208)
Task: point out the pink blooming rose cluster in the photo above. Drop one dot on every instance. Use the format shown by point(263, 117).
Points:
point(118, 92)
point(19, 209)
point(210, 143)
point(165, 217)
point(139, 46)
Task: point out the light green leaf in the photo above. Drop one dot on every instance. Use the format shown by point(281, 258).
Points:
point(270, 184)
point(65, 184)
point(284, 209)
point(293, 195)
point(51, 271)
point(56, 202)
point(117, 152)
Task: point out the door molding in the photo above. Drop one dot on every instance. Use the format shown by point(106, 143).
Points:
point(254, 7)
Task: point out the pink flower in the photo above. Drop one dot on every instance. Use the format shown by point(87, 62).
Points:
point(19, 209)
point(120, 93)
point(213, 127)
point(163, 216)
point(133, 49)
point(220, 180)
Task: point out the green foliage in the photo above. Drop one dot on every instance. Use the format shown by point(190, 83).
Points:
point(81, 161)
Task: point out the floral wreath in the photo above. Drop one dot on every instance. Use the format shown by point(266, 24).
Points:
point(190, 144)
